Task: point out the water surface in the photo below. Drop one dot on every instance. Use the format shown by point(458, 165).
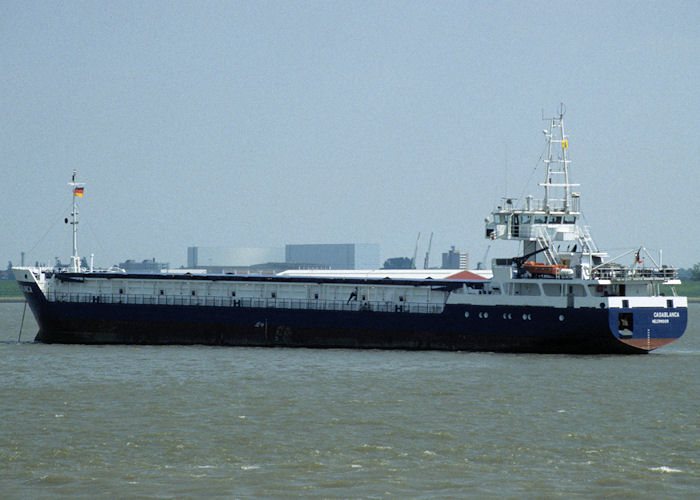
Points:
point(174, 422)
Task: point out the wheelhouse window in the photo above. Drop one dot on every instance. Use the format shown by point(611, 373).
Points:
point(540, 219)
point(525, 219)
point(555, 219)
point(569, 219)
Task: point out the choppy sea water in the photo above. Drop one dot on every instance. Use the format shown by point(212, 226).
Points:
point(187, 422)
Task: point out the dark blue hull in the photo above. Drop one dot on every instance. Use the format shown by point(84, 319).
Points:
point(458, 327)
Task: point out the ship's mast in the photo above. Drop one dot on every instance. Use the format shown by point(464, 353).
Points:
point(76, 190)
point(557, 189)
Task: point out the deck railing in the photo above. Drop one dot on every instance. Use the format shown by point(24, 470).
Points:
point(626, 273)
point(247, 302)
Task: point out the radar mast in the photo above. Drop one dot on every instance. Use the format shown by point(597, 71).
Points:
point(557, 188)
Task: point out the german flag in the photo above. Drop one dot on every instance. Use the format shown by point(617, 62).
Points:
point(78, 191)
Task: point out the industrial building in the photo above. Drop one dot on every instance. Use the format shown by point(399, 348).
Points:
point(146, 266)
point(211, 257)
point(307, 256)
point(335, 256)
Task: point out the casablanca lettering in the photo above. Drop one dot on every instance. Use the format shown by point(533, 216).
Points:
point(667, 314)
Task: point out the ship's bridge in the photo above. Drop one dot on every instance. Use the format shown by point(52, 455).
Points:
point(533, 222)
point(558, 234)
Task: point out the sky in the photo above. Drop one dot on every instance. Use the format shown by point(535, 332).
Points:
point(265, 123)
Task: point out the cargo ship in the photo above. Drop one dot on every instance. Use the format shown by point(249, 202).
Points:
point(559, 294)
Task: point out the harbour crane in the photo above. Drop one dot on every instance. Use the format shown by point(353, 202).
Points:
point(427, 254)
point(415, 253)
point(480, 265)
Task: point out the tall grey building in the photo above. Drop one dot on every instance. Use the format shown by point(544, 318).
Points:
point(454, 259)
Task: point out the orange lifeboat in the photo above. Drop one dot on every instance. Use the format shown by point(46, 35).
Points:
point(538, 269)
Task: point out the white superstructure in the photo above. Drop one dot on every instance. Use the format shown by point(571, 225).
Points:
point(555, 244)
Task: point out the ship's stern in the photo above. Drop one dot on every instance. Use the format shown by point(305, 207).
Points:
point(648, 326)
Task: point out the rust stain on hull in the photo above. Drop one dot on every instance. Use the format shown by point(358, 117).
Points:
point(647, 344)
